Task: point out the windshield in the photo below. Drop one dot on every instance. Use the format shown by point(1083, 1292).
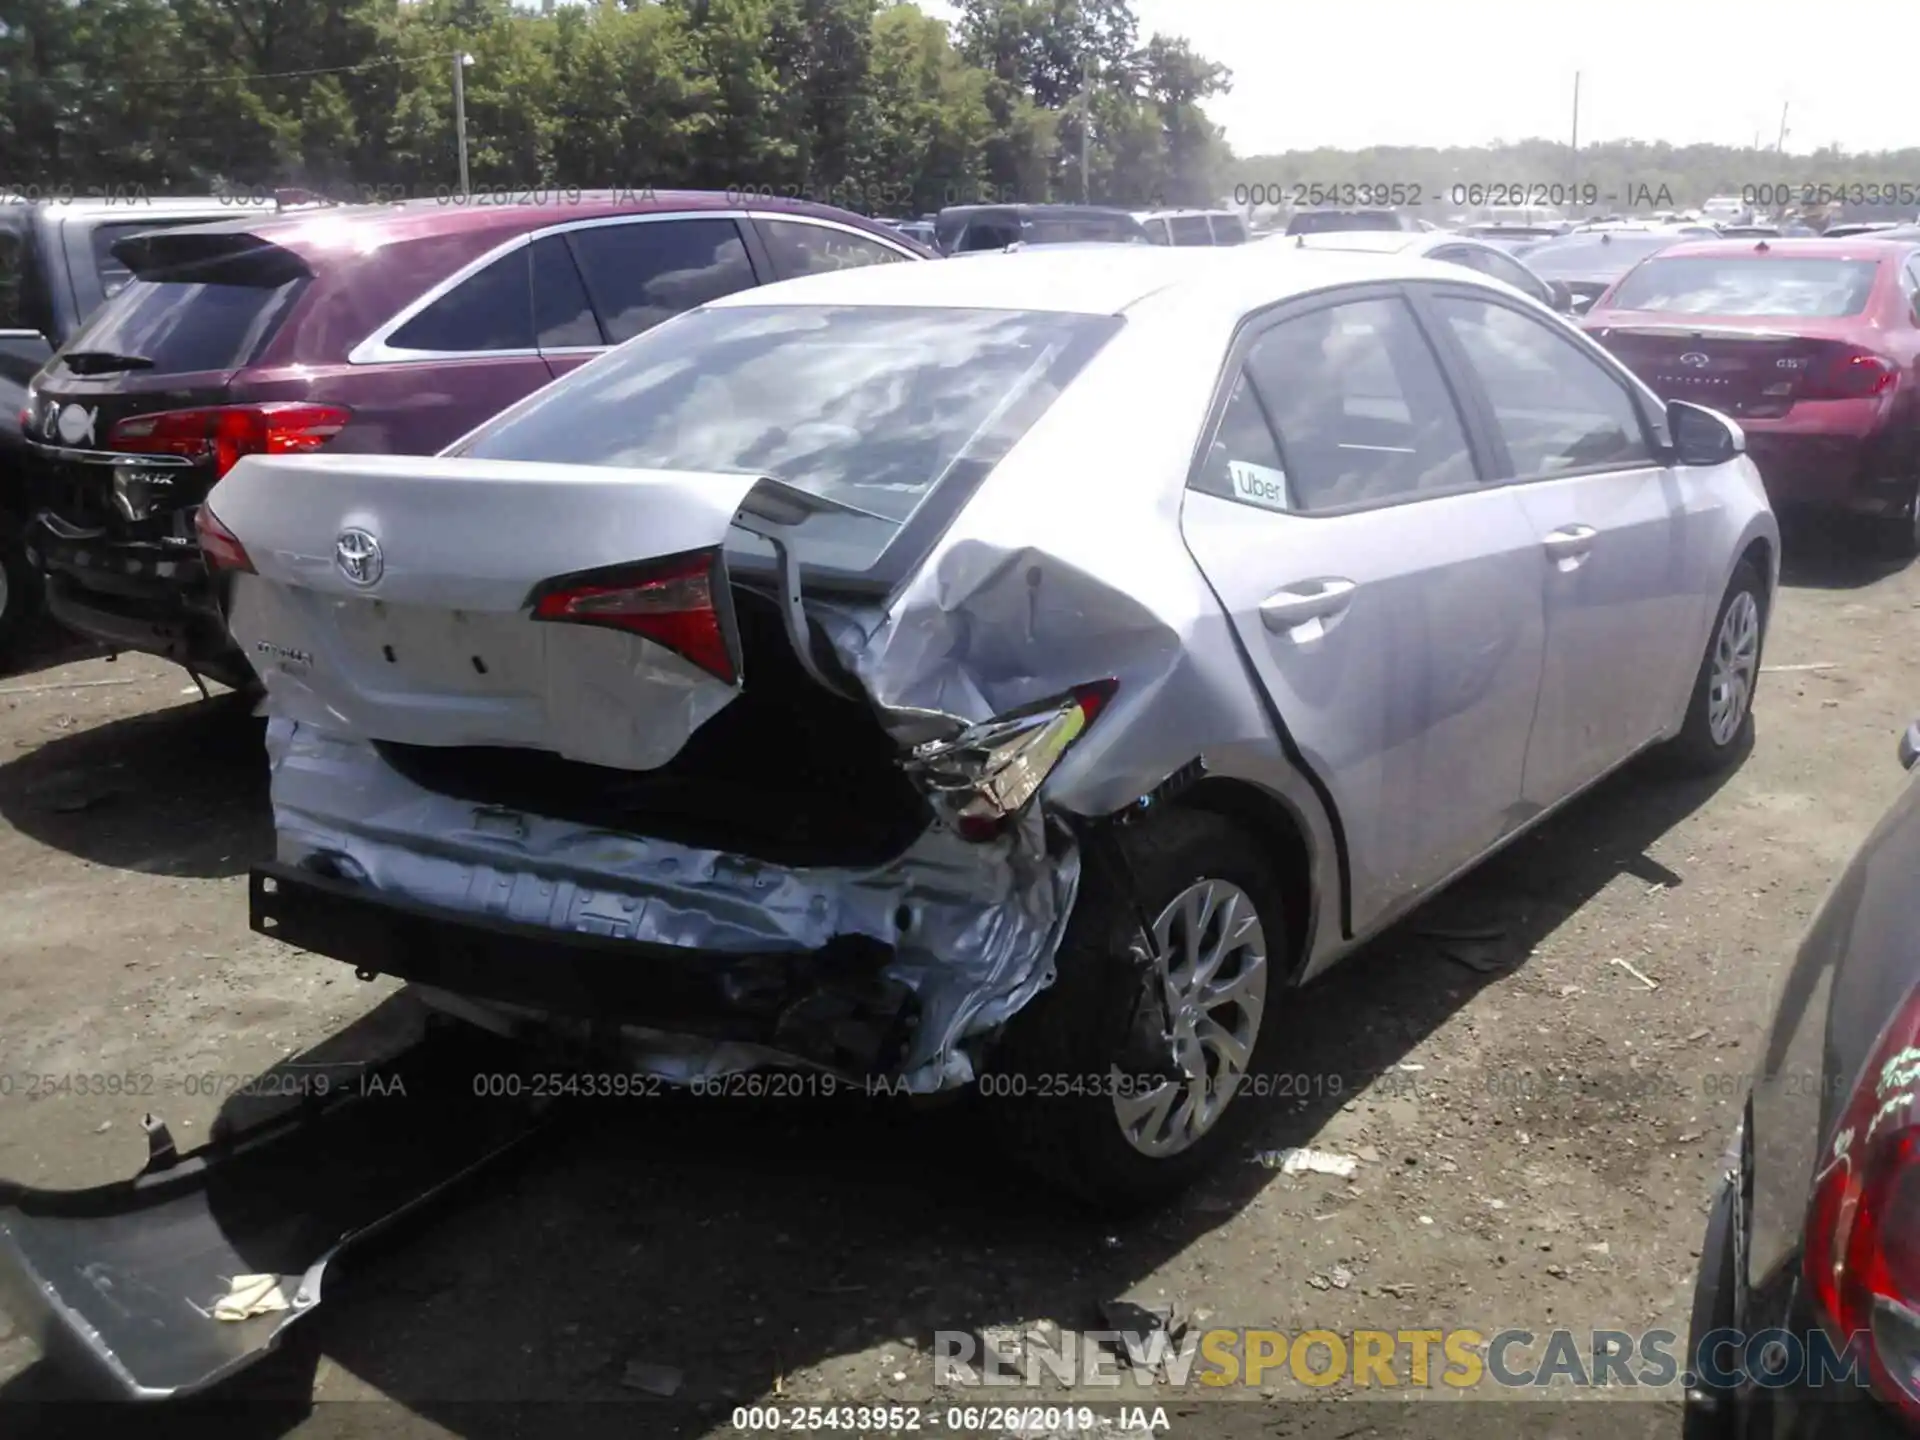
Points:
point(1809, 287)
point(1605, 253)
point(869, 406)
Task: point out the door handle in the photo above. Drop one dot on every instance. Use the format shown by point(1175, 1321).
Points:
point(1310, 600)
point(1570, 541)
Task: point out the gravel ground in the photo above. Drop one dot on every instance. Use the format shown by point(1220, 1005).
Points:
point(1537, 1127)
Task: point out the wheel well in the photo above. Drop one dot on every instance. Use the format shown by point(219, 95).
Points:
point(1283, 840)
point(1760, 552)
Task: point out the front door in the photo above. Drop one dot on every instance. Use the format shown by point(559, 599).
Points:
point(1389, 601)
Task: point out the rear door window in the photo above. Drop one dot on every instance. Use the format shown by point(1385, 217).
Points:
point(1190, 230)
point(182, 327)
point(798, 248)
point(563, 317)
point(487, 313)
point(1229, 230)
point(641, 273)
point(1557, 408)
point(1360, 407)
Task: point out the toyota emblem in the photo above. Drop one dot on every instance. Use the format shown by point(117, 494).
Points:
point(357, 554)
point(1695, 359)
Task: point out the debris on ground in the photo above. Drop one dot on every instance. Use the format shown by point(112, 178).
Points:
point(643, 1375)
point(1796, 669)
point(1628, 966)
point(1135, 1321)
point(1294, 1161)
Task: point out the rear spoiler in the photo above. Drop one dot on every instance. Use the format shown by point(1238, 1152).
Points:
point(209, 253)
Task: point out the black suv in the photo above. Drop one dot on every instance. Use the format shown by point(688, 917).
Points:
point(961, 228)
point(56, 267)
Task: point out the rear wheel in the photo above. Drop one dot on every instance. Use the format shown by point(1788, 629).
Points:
point(1124, 1080)
point(1719, 727)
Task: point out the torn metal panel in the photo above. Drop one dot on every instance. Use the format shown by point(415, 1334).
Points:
point(981, 921)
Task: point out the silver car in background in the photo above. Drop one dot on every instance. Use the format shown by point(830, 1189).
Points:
point(1031, 670)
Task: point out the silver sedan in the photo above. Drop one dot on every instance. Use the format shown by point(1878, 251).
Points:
point(1024, 674)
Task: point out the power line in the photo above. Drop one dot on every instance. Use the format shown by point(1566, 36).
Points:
point(210, 79)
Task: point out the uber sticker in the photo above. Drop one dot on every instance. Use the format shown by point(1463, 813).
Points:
point(1260, 485)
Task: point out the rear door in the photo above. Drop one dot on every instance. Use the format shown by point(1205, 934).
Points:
point(1622, 536)
point(1389, 601)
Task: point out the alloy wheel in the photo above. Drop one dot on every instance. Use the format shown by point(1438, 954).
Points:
point(1736, 659)
point(1210, 971)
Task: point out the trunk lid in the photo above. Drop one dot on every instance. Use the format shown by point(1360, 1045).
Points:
point(395, 597)
point(1750, 370)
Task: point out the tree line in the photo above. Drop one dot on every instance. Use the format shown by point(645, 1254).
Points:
point(868, 103)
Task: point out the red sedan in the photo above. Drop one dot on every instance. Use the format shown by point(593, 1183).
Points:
point(1812, 345)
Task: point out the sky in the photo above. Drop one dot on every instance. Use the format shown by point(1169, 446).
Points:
point(1353, 73)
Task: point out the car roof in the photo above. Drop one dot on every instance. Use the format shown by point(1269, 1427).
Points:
point(359, 228)
point(1381, 242)
point(159, 207)
point(1858, 247)
point(1063, 279)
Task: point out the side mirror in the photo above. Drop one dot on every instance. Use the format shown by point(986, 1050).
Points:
point(1702, 436)
point(1910, 746)
point(1562, 300)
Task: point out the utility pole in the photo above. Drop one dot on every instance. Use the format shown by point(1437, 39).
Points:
point(1781, 147)
point(1576, 126)
point(460, 64)
point(1086, 122)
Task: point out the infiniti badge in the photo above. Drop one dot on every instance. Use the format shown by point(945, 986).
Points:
point(1695, 359)
point(357, 554)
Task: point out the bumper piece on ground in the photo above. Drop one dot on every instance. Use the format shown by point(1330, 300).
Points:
point(832, 1006)
point(117, 1284)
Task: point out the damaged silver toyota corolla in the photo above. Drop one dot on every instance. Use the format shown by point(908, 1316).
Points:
point(1027, 668)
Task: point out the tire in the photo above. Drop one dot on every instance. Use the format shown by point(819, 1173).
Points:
point(19, 586)
point(1706, 743)
point(1897, 537)
point(1094, 1024)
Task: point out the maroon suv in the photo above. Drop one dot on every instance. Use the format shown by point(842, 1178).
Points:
point(387, 329)
point(1813, 346)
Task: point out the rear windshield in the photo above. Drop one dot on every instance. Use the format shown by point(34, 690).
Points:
point(869, 406)
point(1325, 222)
point(181, 327)
point(1578, 256)
point(1807, 286)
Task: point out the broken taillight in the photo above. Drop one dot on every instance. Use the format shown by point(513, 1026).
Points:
point(220, 434)
point(987, 774)
point(679, 602)
point(219, 546)
point(1862, 1257)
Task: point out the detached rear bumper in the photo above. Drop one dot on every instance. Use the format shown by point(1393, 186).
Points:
point(117, 1285)
point(832, 1006)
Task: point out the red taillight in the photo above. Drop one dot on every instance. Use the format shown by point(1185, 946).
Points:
point(1850, 373)
point(1863, 1228)
point(220, 547)
point(676, 602)
point(221, 434)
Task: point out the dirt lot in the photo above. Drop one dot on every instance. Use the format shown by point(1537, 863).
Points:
point(1537, 1135)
